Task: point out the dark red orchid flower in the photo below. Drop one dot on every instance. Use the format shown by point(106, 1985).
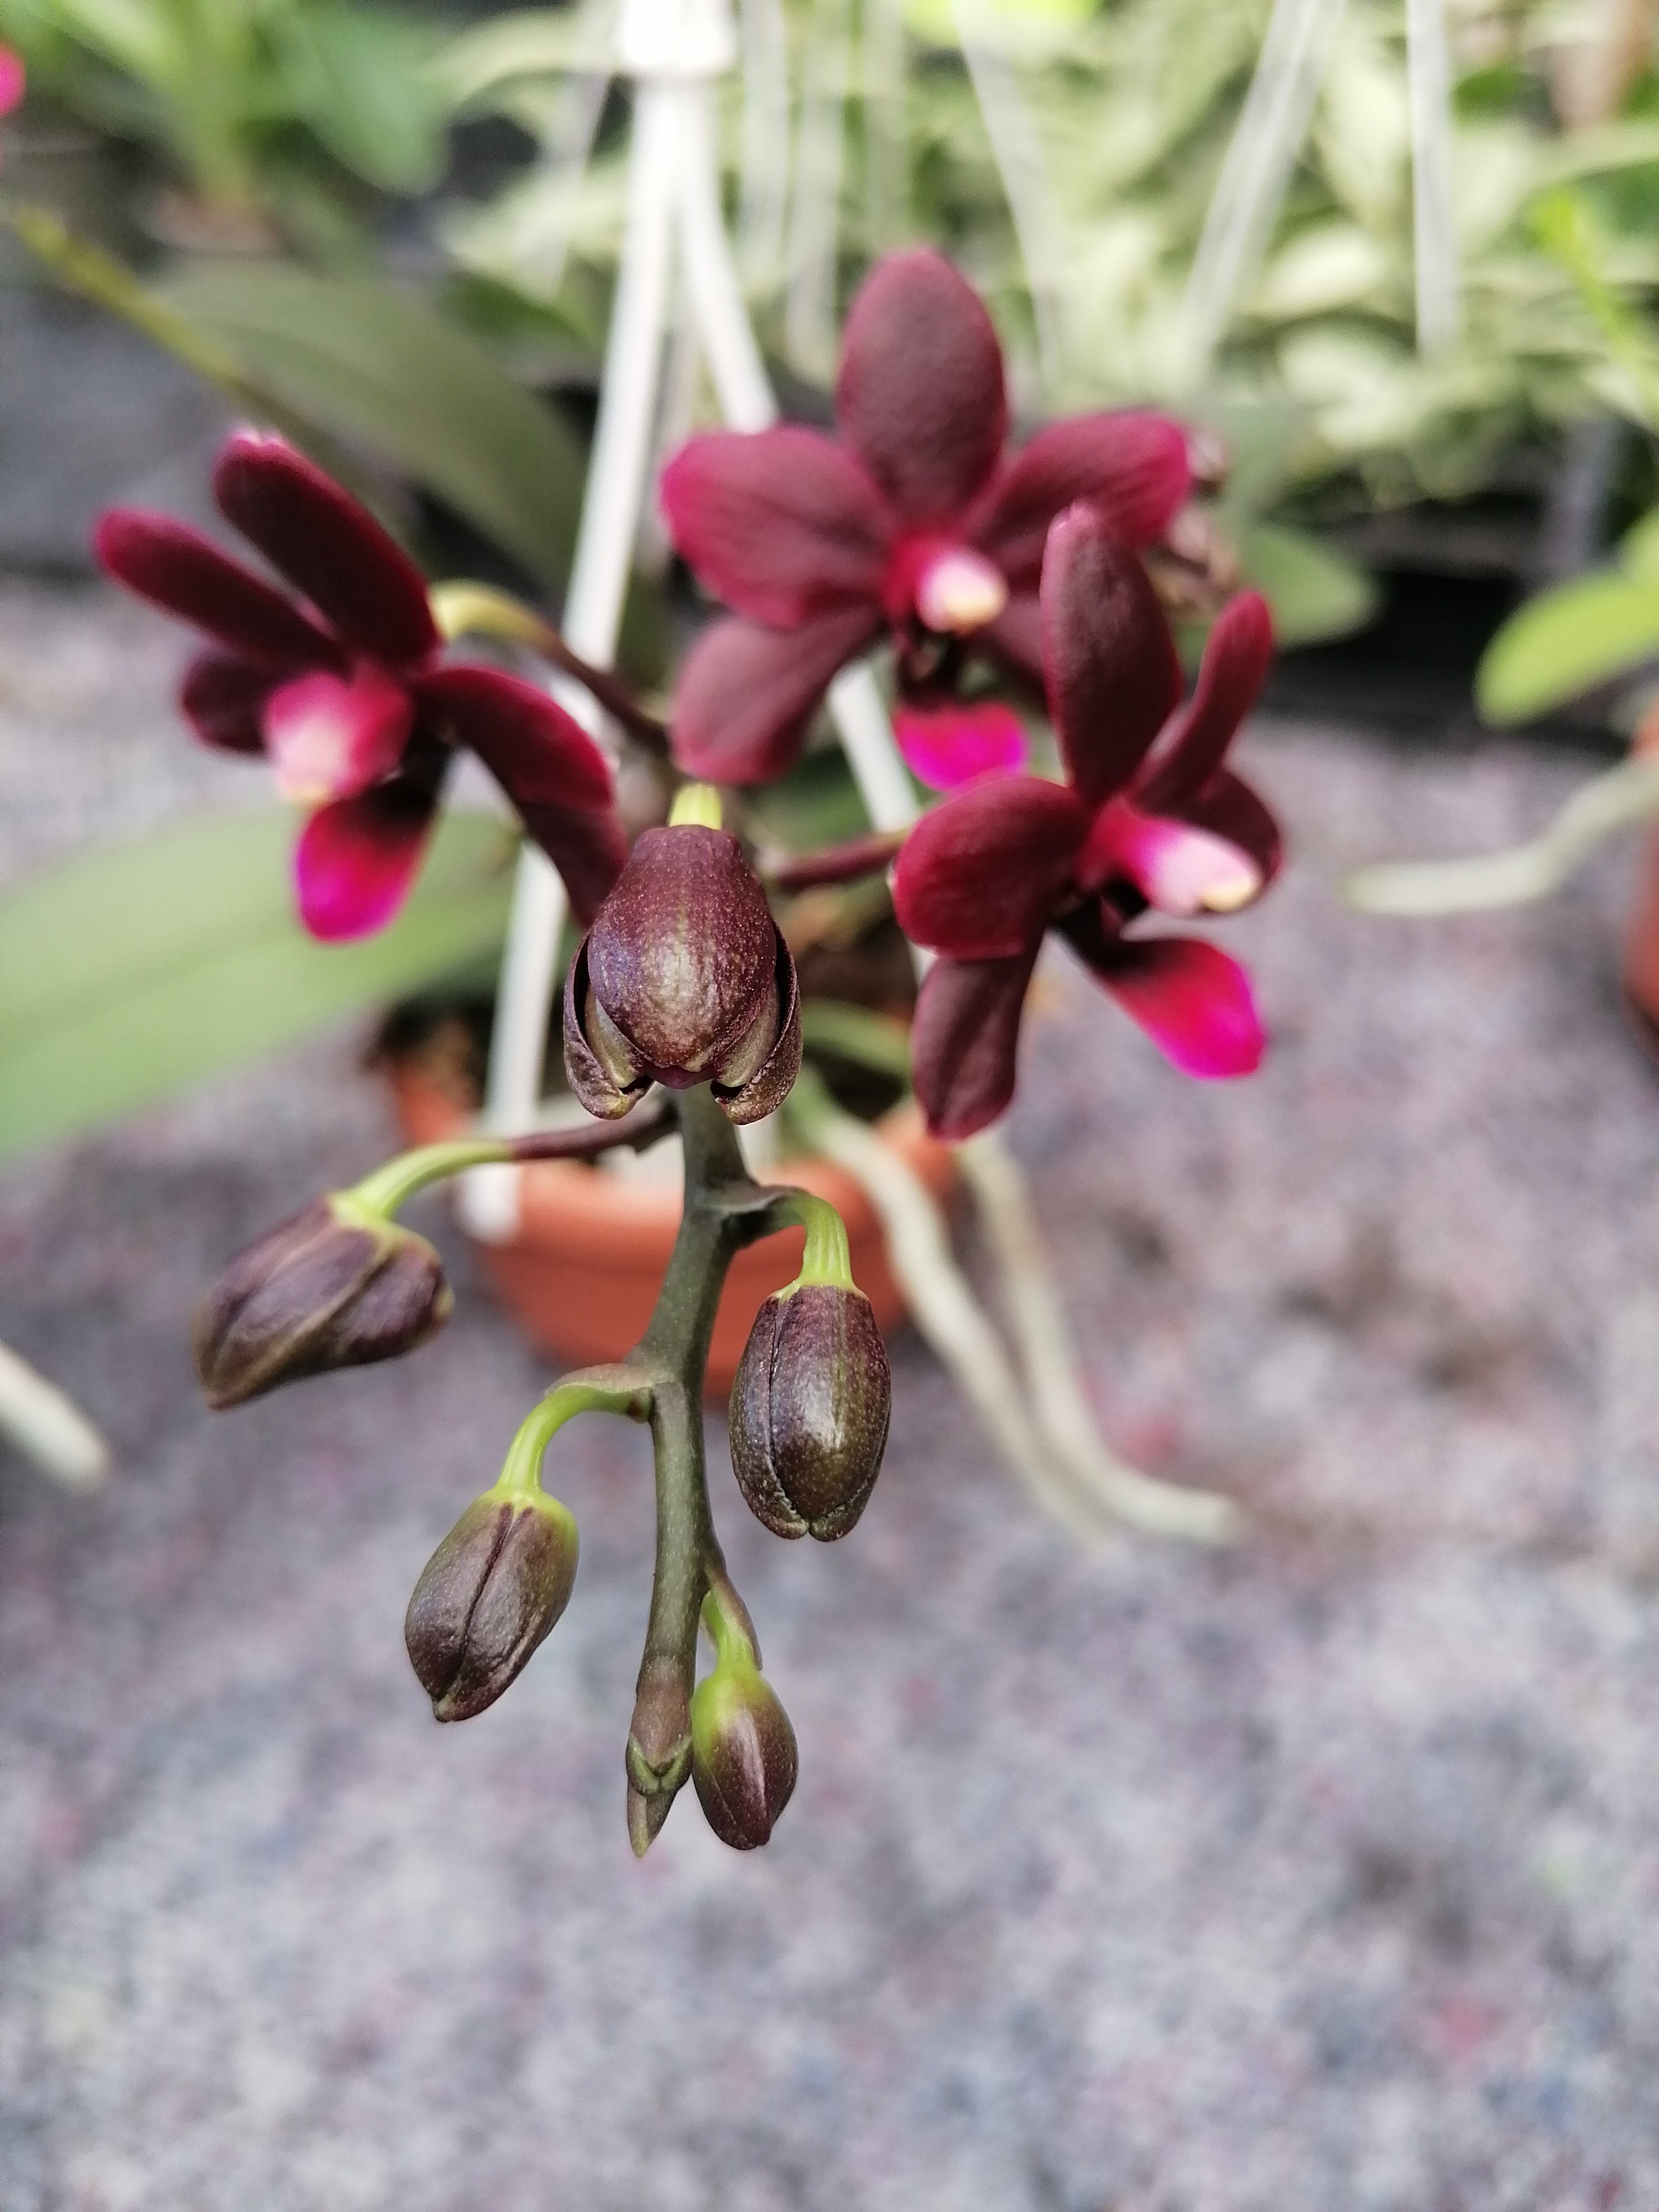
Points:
point(911, 520)
point(1148, 816)
point(340, 689)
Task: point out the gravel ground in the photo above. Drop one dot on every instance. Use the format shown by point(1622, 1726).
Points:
point(1321, 1874)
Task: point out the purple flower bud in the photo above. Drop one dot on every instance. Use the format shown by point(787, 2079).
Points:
point(809, 1409)
point(684, 979)
point(486, 1596)
point(743, 1754)
point(337, 1285)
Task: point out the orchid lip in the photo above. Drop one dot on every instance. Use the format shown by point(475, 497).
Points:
point(958, 591)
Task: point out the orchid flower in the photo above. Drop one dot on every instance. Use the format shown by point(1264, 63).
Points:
point(912, 520)
point(1148, 816)
point(340, 689)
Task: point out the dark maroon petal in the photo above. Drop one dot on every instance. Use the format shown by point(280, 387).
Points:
point(1108, 657)
point(1236, 656)
point(222, 699)
point(1131, 466)
point(1193, 1002)
point(326, 545)
point(356, 860)
point(949, 746)
point(919, 396)
point(746, 695)
point(588, 846)
point(1016, 636)
point(1231, 809)
point(550, 768)
point(979, 877)
point(965, 1040)
point(540, 755)
point(782, 525)
point(185, 574)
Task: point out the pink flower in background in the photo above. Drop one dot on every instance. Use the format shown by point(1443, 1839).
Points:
point(911, 520)
point(13, 81)
point(1148, 817)
point(340, 690)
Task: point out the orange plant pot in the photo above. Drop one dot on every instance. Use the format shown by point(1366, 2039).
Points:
point(1641, 964)
point(582, 1275)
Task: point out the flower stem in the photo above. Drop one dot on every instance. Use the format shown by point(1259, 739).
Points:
point(393, 1185)
point(464, 609)
point(723, 1211)
point(599, 1390)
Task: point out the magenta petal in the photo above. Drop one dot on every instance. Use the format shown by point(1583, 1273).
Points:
point(946, 746)
point(746, 695)
point(965, 1040)
point(13, 81)
point(782, 525)
point(326, 545)
point(185, 574)
point(920, 396)
point(1236, 657)
point(1231, 809)
point(540, 755)
point(1131, 466)
point(1108, 657)
point(1192, 1001)
point(222, 698)
point(979, 875)
point(330, 737)
point(356, 860)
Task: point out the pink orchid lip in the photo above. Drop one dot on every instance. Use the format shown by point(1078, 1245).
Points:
point(1177, 868)
point(329, 739)
point(949, 746)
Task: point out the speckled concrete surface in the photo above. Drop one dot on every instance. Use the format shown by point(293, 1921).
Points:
point(1320, 1875)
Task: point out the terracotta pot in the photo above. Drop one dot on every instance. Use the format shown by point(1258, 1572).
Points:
point(1642, 944)
point(583, 1273)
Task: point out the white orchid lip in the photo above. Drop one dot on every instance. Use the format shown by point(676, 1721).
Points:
point(958, 591)
point(329, 737)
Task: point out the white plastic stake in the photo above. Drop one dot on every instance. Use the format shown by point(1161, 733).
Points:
point(1255, 170)
point(1434, 220)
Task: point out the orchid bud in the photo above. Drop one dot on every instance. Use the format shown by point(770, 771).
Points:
point(340, 1285)
point(684, 978)
point(486, 1596)
point(743, 1760)
point(814, 1392)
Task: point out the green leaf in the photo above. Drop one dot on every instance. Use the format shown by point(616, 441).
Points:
point(1566, 641)
point(371, 362)
point(362, 81)
point(1638, 548)
point(129, 974)
point(1314, 592)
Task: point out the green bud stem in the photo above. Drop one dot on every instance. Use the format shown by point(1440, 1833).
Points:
point(826, 1259)
point(463, 609)
point(599, 1391)
point(392, 1186)
point(696, 805)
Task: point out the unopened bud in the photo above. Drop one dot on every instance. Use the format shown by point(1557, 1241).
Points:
point(337, 1285)
point(684, 978)
point(809, 1409)
point(487, 1597)
point(743, 1760)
